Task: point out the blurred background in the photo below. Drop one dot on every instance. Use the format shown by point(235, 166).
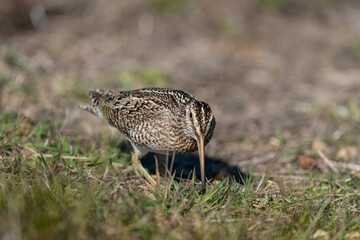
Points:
point(282, 76)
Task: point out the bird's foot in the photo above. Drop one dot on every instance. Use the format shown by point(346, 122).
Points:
point(140, 170)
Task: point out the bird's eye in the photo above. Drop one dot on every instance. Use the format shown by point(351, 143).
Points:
point(190, 115)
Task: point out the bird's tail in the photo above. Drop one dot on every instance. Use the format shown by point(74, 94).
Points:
point(90, 108)
point(97, 97)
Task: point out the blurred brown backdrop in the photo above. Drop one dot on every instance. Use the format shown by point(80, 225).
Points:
point(274, 71)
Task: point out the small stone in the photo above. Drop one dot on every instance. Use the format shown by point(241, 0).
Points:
point(347, 153)
point(321, 234)
point(352, 236)
point(308, 162)
point(275, 143)
point(321, 146)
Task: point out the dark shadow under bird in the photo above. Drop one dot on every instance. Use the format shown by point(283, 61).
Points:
point(185, 165)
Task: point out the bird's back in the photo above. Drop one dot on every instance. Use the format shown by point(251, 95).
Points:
point(149, 117)
point(120, 99)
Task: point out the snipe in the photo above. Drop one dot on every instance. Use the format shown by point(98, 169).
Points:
point(157, 120)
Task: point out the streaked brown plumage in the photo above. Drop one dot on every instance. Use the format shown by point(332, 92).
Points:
point(157, 119)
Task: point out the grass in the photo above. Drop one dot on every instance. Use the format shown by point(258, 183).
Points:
point(272, 5)
point(52, 188)
point(171, 7)
point(143, 77)
point(55, 184)
point(55, 187)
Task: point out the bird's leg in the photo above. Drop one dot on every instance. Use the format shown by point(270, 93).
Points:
point(140, 170)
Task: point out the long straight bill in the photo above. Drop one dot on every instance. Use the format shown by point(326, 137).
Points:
point(201, 149)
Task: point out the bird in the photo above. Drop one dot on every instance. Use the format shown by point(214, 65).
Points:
point(159, 120)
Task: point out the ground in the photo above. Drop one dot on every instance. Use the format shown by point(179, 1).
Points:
point(282, 78)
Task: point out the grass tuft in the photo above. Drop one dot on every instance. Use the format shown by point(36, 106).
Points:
point(54, 188)
point(143, 78)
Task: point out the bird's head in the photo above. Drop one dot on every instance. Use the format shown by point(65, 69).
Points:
point(199, 119)
point(199, 125)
